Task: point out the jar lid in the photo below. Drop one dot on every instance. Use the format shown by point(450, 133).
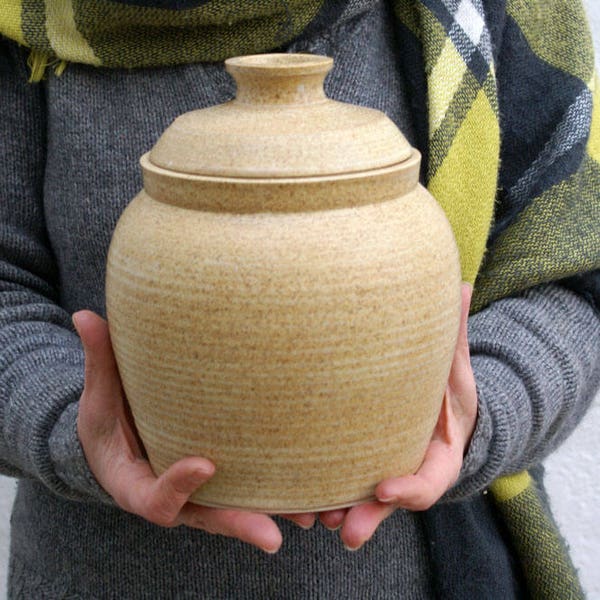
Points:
point(280, 125)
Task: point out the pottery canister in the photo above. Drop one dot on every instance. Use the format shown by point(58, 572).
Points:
point(283, 295)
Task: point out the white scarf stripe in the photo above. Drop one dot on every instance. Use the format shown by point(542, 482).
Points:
point(467, 35)
point(470, 21)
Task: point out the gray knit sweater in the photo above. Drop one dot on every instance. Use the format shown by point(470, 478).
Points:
point(68, 166)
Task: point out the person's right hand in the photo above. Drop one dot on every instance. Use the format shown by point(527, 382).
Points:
point(114, 454)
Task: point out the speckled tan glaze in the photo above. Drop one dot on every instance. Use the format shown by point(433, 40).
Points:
point(296, 326)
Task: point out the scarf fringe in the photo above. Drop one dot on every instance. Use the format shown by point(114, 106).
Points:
point(38, 62)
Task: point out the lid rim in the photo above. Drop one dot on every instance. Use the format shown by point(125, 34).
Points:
point(147, 164)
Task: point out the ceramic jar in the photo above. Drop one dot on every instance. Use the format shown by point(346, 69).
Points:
point(283, 295)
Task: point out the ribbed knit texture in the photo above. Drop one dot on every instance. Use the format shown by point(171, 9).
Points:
point(68, 168)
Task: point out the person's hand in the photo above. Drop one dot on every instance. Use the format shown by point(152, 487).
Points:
point(443, 459)
point(114, 454)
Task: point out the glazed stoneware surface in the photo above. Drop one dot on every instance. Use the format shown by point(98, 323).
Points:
point(296, 329)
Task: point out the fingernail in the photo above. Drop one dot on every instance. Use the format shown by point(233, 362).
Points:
point(333, 528)
point(75, 320)
point(200, 474)
point(302, 525)
point(270, 550)
point(387, 499)
point(351, 549)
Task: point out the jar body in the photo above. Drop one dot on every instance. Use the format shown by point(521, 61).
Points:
point(305, 353)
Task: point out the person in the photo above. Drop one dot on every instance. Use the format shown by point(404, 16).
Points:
point(499, 97)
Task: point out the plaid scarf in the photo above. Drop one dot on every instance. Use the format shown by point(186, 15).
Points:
point(507, 116)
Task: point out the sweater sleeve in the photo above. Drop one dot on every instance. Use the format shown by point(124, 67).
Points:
point(41, 360)
point(536, 360)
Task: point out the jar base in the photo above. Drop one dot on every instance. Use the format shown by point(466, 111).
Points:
point(280, 510)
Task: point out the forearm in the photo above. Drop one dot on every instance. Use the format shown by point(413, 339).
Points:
point(536, 360)
point(41, 379)
point(41, 361)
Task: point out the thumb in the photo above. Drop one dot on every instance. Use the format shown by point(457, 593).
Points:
point(460, 371)
point(100, 366)
point(466, 294)
point(103, 402)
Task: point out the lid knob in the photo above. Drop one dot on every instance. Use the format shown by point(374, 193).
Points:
point(279, 78)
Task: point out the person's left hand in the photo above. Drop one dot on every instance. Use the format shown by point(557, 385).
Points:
point(443, 459)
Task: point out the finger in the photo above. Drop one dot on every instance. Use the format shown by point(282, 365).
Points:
point(466, 295)
point(462, 343)
point(252, 528)
point(159, 500)
point(362, 521)
point(461, 389)
point(439, 471)
point(333, 519)
point(304, 520)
